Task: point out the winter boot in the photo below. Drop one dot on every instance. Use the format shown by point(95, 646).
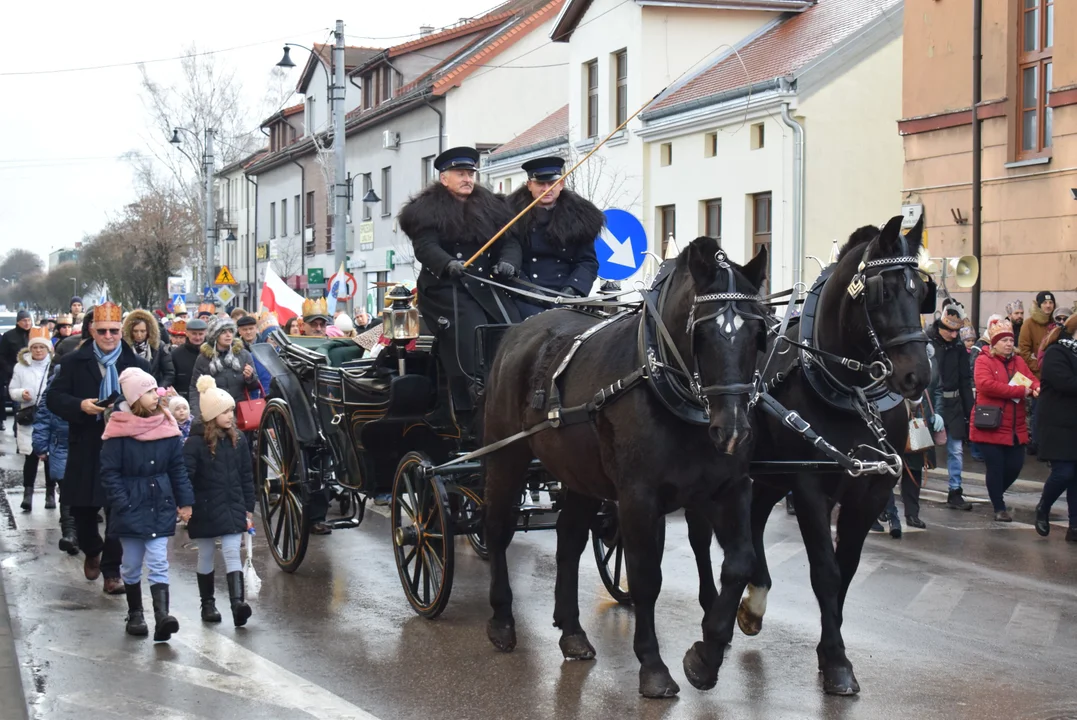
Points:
point(50, 495)
point(1043, 521)
point(1071, 535)
point(136, 621)
point(955, 500)
point(69, 542)
point(895, 524)
point(28, 498)
point(241, 611)
point(205, 591)
point(165, 623)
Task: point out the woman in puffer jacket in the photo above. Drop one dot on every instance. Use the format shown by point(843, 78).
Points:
point(26, 388)
point(224, 358)
point(143, 334)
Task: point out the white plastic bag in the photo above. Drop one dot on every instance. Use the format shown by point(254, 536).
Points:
point(251, 581)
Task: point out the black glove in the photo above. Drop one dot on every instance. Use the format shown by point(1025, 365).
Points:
point(569, 291)
point(505, 269)
point(455, 269)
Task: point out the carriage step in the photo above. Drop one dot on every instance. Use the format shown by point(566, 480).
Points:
point(342, 523)
point(535, 509)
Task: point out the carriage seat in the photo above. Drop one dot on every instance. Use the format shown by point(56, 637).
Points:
point(341, 351)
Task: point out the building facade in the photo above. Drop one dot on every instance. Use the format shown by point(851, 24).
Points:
point(1028, 148)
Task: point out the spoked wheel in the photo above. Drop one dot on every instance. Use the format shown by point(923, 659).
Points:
point(422, 535)
point(609, 555)
point(469, 511)
point(282, 474)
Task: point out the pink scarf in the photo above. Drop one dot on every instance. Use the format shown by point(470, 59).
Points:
point(155, 427)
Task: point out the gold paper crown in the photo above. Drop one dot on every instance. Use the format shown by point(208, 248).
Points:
point(108, 312)
point(207, 307)
point(65, 320)
point(179, 308)
point(312, 307)
point(178, 327)
point(39, 332)
point(267, 320)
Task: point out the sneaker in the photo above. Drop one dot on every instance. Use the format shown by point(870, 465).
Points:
point(383, 499)
point(1003, 516)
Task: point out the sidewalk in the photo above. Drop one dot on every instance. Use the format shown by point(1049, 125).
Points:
point(12, 698)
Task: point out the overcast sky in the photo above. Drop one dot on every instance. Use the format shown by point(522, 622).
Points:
point(61, 134)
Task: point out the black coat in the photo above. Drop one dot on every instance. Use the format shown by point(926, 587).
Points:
point(954, 375)
point(1056, 419)
point(559, 244)
point(442, 229)
point(160, 360)
point(223, 486)
point(227, 378)
point(11, 343)
point(78, 376)
point(183, 359)
point(145, 482)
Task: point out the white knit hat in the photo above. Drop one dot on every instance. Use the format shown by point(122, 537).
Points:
point(344, 323)
point(212, 401)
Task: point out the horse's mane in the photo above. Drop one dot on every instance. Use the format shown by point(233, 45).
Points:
point(859, 237)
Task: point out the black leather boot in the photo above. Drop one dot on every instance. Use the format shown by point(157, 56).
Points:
point(241, 611)
point(955, 500)
point(165, 624)
point(69, 542)
point(50, 495)
point(205, 592)
point(136, 621)
point(1043, 521)
point(27, 498)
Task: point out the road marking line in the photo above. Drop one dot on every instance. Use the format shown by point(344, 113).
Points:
point(868, 565)
point(785, 550)
point(936, 600)
point(1033, 623)
point(115, 704)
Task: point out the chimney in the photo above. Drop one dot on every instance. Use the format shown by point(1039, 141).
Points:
point(425, 30)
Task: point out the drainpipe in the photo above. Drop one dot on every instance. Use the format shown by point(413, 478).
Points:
point(250, 280)
point(302, 219)
point(441, 126)
point(798, 192)
point(977, 153)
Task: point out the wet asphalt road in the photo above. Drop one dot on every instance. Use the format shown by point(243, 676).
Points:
point(969, 619)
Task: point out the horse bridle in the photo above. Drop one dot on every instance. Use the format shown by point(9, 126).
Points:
point(727, 317)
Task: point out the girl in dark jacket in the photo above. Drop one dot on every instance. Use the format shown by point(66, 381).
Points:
point(219, 465)
point(144, 478)
point(1058, 424)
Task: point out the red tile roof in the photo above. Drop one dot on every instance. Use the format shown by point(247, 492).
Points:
point(289, 111)
point(783, 49)
point(550, 128)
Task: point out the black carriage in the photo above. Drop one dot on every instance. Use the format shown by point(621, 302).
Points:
point(340, 423)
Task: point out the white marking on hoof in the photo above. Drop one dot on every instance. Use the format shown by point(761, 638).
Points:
point(756, 600)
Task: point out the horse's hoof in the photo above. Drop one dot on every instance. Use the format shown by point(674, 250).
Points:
point(502, 635)
point(749, 623)
point(576, 647)
point(657, 683)
point(839, 680)
point(696, 670)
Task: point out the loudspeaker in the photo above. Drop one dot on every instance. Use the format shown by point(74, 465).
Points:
point(965, 270)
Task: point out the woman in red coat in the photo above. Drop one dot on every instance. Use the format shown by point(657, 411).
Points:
point(1003, 437)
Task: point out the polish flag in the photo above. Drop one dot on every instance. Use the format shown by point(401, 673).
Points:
point(280, 299)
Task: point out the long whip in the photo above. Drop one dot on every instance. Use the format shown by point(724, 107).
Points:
point(561, 180)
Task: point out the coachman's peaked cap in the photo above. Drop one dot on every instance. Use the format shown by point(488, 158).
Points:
point(457, 158)
point(545, 169)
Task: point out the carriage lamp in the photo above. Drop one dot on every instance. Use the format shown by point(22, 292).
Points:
point(400, 319)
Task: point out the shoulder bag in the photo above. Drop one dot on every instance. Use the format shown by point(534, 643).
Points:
point(987, 417)
point(26, 414)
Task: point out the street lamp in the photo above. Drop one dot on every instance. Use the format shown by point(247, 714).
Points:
point(334, 75)
point(371, 197)
point(74, 286)
point(207, 177)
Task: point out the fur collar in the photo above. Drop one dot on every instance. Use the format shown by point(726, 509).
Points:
point(474, 220)
point(574, 220)
point(153, 332)
point(25, 359)
point(210, 352)
point(1039, 317)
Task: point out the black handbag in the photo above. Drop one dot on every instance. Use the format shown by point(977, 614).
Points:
point(28, 413)
point(987, 417)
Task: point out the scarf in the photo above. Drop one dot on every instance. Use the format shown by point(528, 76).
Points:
point(155, 427)
point(110, 381)
point(1070, 344)
point(142, 349)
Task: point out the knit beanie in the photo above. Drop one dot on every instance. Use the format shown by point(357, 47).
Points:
point(1043, 296)
point(967, 333)
point(134, 383)
point(999, 330)
point(212, 401)
point(216, 327)
point(178, 401)
point(344, 324)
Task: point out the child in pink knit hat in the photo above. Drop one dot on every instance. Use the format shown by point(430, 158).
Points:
point(146, 482)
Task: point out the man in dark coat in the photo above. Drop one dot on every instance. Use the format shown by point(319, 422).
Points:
point(83, 378)
point(447, 223)
point(13, 341)
point(557, 235)
point(186, 355)
point(951, 395)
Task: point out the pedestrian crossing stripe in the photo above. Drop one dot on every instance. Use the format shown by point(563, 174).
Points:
point(225, 277)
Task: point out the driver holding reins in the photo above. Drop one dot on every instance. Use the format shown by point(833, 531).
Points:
point(447, 223)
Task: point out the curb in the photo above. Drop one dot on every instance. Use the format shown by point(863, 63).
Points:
point(11, 689)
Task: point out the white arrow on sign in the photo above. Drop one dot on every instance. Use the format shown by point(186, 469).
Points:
point(622, 250)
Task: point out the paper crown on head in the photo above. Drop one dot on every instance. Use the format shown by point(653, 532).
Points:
point(108, 312)
point(207, 307)
point(39, 332)
point(267, 320)
point(178, 327)
point(65, 319)
point(315, 307)
point(179, 308)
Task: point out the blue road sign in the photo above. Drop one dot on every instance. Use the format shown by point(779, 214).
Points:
point(620, 246)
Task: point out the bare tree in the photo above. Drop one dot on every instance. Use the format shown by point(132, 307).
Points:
point(600, 182)
point(19, 263)
point(289, 257)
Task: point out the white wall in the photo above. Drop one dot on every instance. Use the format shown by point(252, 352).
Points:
point(854, 159)
point(283, 181)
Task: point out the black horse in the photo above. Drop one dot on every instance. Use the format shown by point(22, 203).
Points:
point(864, 309)
point(651, 451)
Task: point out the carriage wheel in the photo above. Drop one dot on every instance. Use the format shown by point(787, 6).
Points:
point(422, 535)
point(609, 555)
point(469, 510)
point(282, 473)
